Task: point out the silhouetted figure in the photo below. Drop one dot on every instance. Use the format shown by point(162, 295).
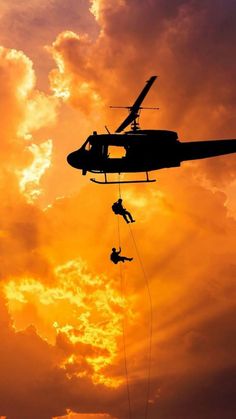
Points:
point(115, 256)
point(118, 208)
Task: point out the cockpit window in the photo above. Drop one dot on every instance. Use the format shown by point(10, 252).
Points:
point(116, 152)
point(87, 146)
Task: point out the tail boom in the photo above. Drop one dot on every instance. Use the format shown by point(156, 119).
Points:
point(204, 149)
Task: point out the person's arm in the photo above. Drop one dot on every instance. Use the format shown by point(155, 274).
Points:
point(119, 251)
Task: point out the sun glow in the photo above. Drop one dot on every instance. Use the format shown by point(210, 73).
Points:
point(26, 78)
point(80, 309)
point(30, 176)
point(97, 7)
point(60, 79)
point(67, 80)
point(71, 415)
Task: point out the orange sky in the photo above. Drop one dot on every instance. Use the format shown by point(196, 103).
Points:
point(62, 310)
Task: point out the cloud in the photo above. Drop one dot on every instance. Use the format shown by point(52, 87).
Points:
point(20, 168)
point(190, 288)
point(29, 366)
point(72, 415)
point(192, 87)
point(24, 111)
point(69, 50)
point(30, 177)
point(91, 318)
point(29, 28)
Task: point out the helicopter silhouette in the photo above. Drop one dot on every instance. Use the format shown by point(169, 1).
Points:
point(140, 150)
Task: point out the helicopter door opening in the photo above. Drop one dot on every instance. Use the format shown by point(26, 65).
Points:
point(116, 152)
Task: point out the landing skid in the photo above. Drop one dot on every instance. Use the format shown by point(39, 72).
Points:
point(107, 182)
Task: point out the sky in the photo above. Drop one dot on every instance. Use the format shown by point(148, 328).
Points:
point(64, 312)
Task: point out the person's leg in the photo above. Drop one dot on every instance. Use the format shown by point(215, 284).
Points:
point(124, 216)
point(130, 216)
point(123, 258)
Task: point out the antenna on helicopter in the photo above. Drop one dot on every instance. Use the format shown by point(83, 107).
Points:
point(135, 109)
point(107, 130)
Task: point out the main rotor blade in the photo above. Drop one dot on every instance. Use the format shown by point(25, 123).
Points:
point(143, 93)
point(130, 118)
point(136, 106)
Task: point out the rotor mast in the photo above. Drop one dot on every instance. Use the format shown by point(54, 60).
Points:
point(135, 109)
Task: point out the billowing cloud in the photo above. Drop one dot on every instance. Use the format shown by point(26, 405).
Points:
point(24, 111)
point(68, 50)
point(29, 366)
point(30, 176)
point(30, 27)
point(88, 332)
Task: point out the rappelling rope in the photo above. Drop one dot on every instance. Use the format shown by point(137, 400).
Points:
point(149, 358)
point(151, 320)
point(119, 187)
point(123, 321)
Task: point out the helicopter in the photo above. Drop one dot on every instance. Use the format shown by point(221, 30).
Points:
point(140, 150)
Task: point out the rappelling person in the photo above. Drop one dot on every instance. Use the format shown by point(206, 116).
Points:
point(118, 208)
point(115, 256)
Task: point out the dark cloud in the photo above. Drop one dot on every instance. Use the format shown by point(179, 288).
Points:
point(32, 384)
point(206, 396)
point(31, 27)
point(22, 227)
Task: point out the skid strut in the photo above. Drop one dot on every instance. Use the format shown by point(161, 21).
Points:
point(107, 182)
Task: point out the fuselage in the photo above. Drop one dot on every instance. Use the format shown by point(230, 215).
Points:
point(145, 150)
point(142, 151)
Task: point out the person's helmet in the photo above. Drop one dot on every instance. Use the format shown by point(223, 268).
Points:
point(113, 249)
point(119, 200)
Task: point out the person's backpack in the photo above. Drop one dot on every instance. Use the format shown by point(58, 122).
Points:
point(113, 258)
point(115, 208)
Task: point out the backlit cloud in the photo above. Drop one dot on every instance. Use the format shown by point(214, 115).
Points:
point(74, 79)
point(88, 332)
point(30, 176)
point(24, 111)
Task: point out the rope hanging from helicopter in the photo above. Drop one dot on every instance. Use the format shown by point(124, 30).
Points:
point(149, 353)
point(149, 356)
point(122, 288)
